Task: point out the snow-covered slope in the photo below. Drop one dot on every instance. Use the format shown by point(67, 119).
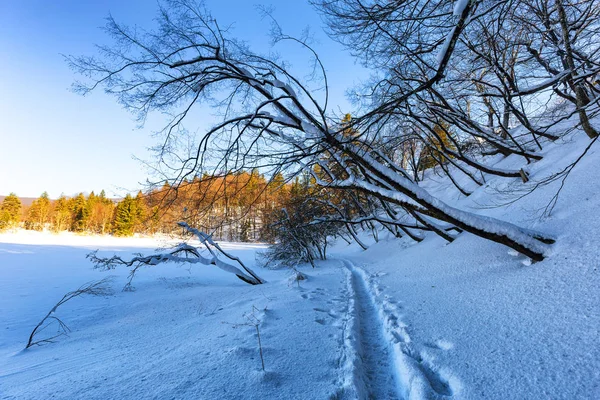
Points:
point(487, 321)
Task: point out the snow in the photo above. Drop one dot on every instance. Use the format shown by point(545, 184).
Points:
point(247, 73)
point(444, 49)
point(459, 7)
point(486, 321)
point(470, 319)
point(311, 132)
point(181, 334)
point(284, 86)
point(284, 120)
point(544, 84)
point(483, 223)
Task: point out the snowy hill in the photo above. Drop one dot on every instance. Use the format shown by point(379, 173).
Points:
point(486, 323)
point(466, 320)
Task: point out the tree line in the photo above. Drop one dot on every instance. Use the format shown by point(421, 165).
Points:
point(237, 207)
point(84, 214)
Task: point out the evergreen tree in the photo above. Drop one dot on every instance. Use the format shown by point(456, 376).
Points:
point(10, 212)
point(125, 217)
point(297, 189)
point(104, 210)
point(233, 206)
point(140, 212)
point(433, 153)
point(79, 213)
point(38, 214)
point(100, 211)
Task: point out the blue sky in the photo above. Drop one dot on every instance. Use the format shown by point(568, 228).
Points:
point(54, 140)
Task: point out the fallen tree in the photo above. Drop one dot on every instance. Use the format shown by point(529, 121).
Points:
point(181, 253)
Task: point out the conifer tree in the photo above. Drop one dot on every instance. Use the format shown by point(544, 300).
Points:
point(100, 211)
point(278, 186)
point(38, 214)
point(125, 215)
point(438, 142)
point(140, 213)
point(79, 212)
point(103, 213)
point(10, 212)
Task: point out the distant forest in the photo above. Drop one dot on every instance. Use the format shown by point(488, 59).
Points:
point(238, 207)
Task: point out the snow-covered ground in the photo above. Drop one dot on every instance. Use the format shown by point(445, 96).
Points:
point(181, 334)
point(474, 320)
point(401, 320)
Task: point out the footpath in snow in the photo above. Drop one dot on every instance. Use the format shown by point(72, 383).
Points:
point(376, 365)
point(387, 365)
point(484, 322)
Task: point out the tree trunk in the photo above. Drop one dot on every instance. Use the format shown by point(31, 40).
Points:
point(399, 190)
point(581, 96)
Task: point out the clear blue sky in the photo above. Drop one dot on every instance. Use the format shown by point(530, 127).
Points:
point(54, 140)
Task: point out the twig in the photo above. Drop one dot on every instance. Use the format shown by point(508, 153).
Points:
point(98, 288)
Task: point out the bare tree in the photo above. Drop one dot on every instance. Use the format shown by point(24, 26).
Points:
point(181, 253)
point(272, 120)
point(511, 56)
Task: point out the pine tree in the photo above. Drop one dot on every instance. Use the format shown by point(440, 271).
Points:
point(106, 212)
point(100, 211)
point(38, 214)
point(125, 217)
point(10, 212)
point(140, 212)
point(79, 213)
point(433, 154)
point(277, 184)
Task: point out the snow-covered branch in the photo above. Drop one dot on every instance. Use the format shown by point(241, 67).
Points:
point(181, 253)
